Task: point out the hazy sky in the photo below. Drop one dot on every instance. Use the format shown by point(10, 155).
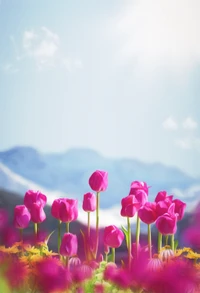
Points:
point(120, 77)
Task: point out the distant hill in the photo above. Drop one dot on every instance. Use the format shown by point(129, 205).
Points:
point(68, 173)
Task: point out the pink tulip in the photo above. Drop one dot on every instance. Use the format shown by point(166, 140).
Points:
point(167, 223)
point(179, 208)
point(163, 206)
point(138, 185)
point(21, 217)
point(162, 195)
point(130, 206)
point(55, 208)
point(89, 202)
point(68, 210)
point(98, 181)
point(37, 213)
point(32, 196)
point(113, 236)
point(141, 196)
point(69, 245)
point(147, 213)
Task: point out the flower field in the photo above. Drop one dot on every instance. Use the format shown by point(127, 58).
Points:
point(29, 266)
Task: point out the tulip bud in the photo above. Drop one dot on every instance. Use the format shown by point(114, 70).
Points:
point(69, 245)
point(139, 185)
point(21, 217)
point(55, 208)
point(68, 210)
point(89, 202)
point(130, 206)
point(166, 224)
point(113, 236)
point(98, 181)
point(37, 213)
point(147, 213)
point(32, 196)
point(179, 208)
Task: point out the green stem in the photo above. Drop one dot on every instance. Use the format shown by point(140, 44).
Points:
point(67, 227)
point(137, 234)
point(129, 242)
point(106, 257)
point(159, 242)
point(59, 235)
point(88, 219)
point(149, 240)
point(113, 254)
point(97, 223)
point(36, 230)
point(172, 242)
point(21, 235)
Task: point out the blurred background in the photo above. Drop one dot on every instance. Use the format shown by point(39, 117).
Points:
point(110, 85)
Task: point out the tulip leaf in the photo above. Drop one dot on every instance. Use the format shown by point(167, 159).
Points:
point(125, 233)
point(48, 237)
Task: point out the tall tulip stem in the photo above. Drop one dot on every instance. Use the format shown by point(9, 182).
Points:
point(67, 227)
point(97, 223)
point(149, 240)
point(113, 254)
point(59, 235)
point(137, 234)
point(88, 220)
point(36, 230)
point(129, 242)
point(172, 242)
point(159, 242)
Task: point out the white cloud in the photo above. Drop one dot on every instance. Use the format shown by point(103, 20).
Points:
point(155, 33)
point(189, 124)
point(170, 124)
point(72, 64)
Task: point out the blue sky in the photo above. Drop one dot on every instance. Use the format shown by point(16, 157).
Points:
point(120, 77)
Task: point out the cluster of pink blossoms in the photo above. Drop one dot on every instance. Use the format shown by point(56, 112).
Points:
point(141, 271)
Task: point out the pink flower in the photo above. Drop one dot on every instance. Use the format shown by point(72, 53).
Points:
point(167, 223)
point(69, 245)
point(179, 208)
point(141, 196)
point(113, 236)
point(68, 210)
point(139, 185)
point(130, 206)
point(89, 202)
point(98, 181)
point(147, 213)
point(37, 213)
point(55, 208)
point(162, 195)
point(33, 196)
point(21, 217)
point(163, 206)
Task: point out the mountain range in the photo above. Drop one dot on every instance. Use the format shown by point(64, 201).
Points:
point(66, 174)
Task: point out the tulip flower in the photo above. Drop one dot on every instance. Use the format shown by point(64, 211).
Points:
point(113, 238)
point(179, 208)
point(55, 208)
point(37, 213)
point(69, 245)
point(21, 217)
point(32, 196)
point(138, 185)
point(98, 181)
point(89, 202)
point(162, 195)
point(130, 206)
point(68, 210)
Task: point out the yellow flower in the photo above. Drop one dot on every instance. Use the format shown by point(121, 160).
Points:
point(32, 250)
point(192, 255)
point(9, 250)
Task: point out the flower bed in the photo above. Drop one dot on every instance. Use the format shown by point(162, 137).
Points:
point(30, 267)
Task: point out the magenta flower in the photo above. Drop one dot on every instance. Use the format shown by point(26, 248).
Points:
point(21, 217)
point(138, 185)
point(167, 223)
point(162, 196)
point(98, 181)
point(162, 206)
point(68, 210)
point(179, 208)
point(33, 196)
point(89, 202)
point(113, 236)
point(37, 213)
point(147, 213)
point(55, 208)
point(69, 245)
point(141, 196)
point(130, 206)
